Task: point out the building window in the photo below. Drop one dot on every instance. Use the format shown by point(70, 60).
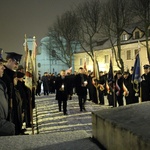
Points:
point(124, 37)
point(136, 52)
point(137, 35)
point(39, 65)
point(106, 57)
point(80, 61)
point(87, 61)
point(129, 55)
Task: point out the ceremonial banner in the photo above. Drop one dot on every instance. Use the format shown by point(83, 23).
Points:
point(136, 74)
point(96, 68)
point(84, 66)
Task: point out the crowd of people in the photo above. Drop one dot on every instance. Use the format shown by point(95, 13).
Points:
point(86, 86)
point(16, 97)
point(17, 100)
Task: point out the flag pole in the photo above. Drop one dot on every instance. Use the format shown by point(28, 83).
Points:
point(139, 49)
point(96, 74)
point(113, 80)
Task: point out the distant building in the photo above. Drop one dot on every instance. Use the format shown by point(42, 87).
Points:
point(132, 39)
point(45, 61)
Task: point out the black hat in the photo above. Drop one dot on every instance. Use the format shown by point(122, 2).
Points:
point(146, 66)
point(80, 68)
point(126, 72)
point(20, 74)
point(20, 67)
point(132, 68)
point(14, 56)
point(119, 72)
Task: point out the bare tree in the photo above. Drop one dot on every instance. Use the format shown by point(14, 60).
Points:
point(141, 8)
point(116, 18)
point(89, 13)
point(63, 37)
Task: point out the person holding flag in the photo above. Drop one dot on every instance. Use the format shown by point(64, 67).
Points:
point(110, 86)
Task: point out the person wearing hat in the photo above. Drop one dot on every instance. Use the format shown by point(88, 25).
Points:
point(119, 88)
point(129, 92)
point(20, 68)
point(25, 95)
point(7, 128)
point(13, 60)
point(101, 88)
point(145, 84)
point(81, 82)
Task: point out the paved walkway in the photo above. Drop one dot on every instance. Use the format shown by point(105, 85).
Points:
point(48, 120)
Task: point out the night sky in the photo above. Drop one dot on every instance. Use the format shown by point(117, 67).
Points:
point(31, 17)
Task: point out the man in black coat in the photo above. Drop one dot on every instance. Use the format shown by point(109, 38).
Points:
point(127, 82)
point(63, 90)
point(13, 60)
point(119, 88)
point(145, 84)
point(6, 127)
point(81, 88)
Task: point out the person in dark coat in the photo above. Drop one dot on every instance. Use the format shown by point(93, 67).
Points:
point(130, 92)
point(136, 89)
point(25, 94)
point(45, 81)
point(38, 87)
point(101, 88)
point(119, 88)
point(13, 59)
point(145, 84)
point(17, 107)
point(7, 128)
point(90, 85)
point(51, 79)
point(63, 90)
point(81, 88)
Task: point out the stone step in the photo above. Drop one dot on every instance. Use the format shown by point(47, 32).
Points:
point(123, 128)
point(72, 140)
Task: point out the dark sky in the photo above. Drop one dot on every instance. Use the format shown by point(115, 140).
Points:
point(31, 17)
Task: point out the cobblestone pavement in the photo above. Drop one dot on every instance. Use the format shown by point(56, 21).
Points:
point(50, 120)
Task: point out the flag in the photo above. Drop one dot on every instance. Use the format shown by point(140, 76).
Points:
point(34, 65)
point(31, 74)
point(84, 66)
point(110, 78)
point(68, 71)
point(136, 73)
point(95, 68)
point(110, 73)
point(28, 71)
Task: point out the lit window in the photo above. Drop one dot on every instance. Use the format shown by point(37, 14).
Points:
point(39, 65)
point(106, 59)
point(124, 37)
point(87, 61)
point(80, 61)
point(135, 52)
point(129, 55)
